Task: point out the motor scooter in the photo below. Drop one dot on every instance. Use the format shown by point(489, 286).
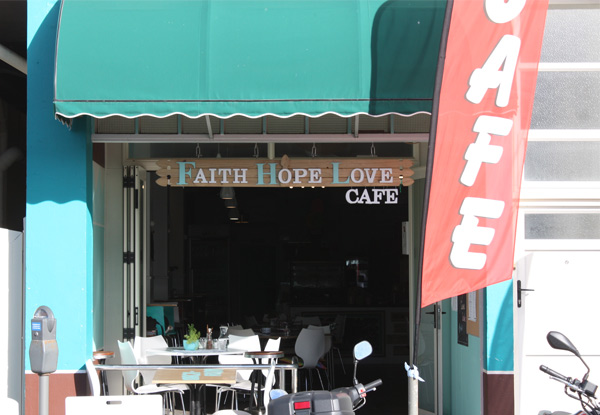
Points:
point(582, 390)
point(341, 401)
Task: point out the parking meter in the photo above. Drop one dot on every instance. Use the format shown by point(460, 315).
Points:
point(43, 351)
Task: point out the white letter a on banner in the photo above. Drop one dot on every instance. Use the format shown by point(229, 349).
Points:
point(497, 72)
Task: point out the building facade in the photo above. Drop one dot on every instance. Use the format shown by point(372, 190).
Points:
point(79, 206)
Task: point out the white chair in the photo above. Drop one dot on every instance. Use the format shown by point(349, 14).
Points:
point(141, 345)
point(243, 384)
point(9, 406)
point(93, 378)
point(246, 385)
point(309, 347)
point(269, 381)
point(327, 333)
point(326, 352)
point(271, 346)
point(233, 327)
point(266, 395)
point(240, 332)
point(248, 343)
point(130, 376)
point(114, 405)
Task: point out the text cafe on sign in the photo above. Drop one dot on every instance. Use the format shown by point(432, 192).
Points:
point(385, 174)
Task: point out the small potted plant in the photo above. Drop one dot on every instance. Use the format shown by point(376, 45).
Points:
point(192, 338)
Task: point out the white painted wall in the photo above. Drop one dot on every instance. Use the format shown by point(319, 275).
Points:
point(11, 310)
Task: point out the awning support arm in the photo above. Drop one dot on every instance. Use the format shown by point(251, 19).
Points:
point(209, 127)
point(13, 59)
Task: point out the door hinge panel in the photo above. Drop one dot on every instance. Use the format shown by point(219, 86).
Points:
point(128, 257)
point(128, 182)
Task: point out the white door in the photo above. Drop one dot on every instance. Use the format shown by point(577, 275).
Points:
point(11, 306)
point(429, 359)
point(429, 354)
point(565, 299)
point(134, 257)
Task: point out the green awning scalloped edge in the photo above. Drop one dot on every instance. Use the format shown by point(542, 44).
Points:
point(246, 57)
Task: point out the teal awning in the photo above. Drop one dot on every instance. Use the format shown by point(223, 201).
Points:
point(250, 57)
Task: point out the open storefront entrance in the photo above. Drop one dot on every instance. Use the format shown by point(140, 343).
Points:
point(293, 251)
point(288, 252)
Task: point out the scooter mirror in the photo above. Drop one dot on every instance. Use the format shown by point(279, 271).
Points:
point(559, 341)
point(277, 393)
point(362, 350)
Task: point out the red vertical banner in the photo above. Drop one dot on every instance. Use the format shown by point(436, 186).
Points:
point(484, 113)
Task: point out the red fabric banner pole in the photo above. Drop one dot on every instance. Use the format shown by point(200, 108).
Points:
point(413, 409)
point(484, 113)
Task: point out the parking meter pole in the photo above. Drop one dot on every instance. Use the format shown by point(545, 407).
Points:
point(44, 394)
point(43, 352)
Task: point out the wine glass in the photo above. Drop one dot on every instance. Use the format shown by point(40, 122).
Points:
point(223, 331)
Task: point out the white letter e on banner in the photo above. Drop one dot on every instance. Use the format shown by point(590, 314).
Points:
point(468, 233)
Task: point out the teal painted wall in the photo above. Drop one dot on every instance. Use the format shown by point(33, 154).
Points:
point(59, 234)
point(461, 368)
point(499, 345)
point(463, 365)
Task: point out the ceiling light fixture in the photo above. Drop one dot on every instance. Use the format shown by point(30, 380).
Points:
point(230, 203)
point(227, 193)
point(234, 214)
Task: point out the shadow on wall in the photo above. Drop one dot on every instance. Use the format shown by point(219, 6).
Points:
point(501, 349)
point(59, 191)
point(53, 150)
point(404, 51)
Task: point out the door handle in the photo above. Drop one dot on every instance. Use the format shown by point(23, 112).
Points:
point(519, 290)
point(435, 315)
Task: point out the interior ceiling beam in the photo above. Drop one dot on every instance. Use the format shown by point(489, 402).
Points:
point(13, 59)
point(261, 138)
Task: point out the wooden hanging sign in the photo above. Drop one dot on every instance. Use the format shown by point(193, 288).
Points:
point(285, 172)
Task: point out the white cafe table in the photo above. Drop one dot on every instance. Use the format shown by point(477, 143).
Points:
point(181, 352)
point(195, 378)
